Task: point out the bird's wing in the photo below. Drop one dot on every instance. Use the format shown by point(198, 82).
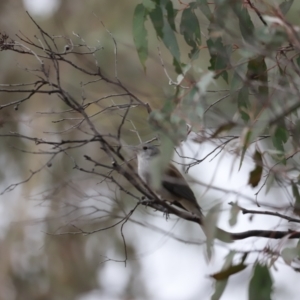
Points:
point(175, 183)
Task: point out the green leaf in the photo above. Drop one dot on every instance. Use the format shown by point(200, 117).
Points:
point(225, 274)
point(236, 82)
point(157, 19)
point(202, 4)
point(192, 109)
point(239, 74)
point(244, 103)
point(177, 66)
point(165, 29)
point(269, 182)
point(272, 39)
point(289, 254)
point(260, 286)
point(171, 14)
point(234, 211)
point(246, 141)
point(298, 61)
point(149, 4)
point(210, 227)
point(140, 33)
point(255, 175)
point(297, 199)
point(285, 6)
point(245, 22)
point(218, 57)
point(224, 127)
point(166, 122)
point(190, 29)
point(257, 70)
point(296, 134)
point(279, 138)
point(221, 285)
point(170, 41)
point(220, 13)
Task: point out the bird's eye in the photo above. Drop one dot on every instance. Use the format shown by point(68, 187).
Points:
point(145, 148)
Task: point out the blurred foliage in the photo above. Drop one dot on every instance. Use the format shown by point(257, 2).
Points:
point(224, 69)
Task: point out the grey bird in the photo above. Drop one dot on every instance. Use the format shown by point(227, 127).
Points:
point(170, 185)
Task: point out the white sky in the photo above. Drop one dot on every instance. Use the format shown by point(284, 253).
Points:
point(41, 7)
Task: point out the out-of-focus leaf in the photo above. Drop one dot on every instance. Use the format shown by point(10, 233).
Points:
point(243, 103)
point(257, 70)
point(272, 39)
point(192, 106)
point(260, 286)
point(234, 211)
point(221, 285)
point(171, 14)
point(190, 29)
point(202, 4)
point(149, 4)
point(166, 122)
point(177, 66)
point(162, 20)
point(296, 134)
point(218, 57)
point(210, 227)
point(239, 74)
point(157, 19)
point(297, 199)
point(239, 91)
point(225, 127)
point(298, 61)
point(255, 175)
point(289, 254)
point(220, 12)
point(170, 41)
point(236, 82)
point(269, 182)
point(219, 289)
point(169, 106)
point(245, 22)
point(285, 6)
point(246, 140)
point(283, 78)
point(279, 137)
point(225, 274)
point(140, 33)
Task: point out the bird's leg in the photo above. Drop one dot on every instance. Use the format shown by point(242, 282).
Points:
point(158, 207)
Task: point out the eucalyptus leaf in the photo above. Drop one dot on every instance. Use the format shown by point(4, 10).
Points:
point(140, 33)
point(261, 283)
point(204, 7)
point(285, 6)
point(256, 173)
point(218, 57)
point(210, 227)
point(234, 212)
point(221, 285)
point(289, 254)
point(190, 29)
